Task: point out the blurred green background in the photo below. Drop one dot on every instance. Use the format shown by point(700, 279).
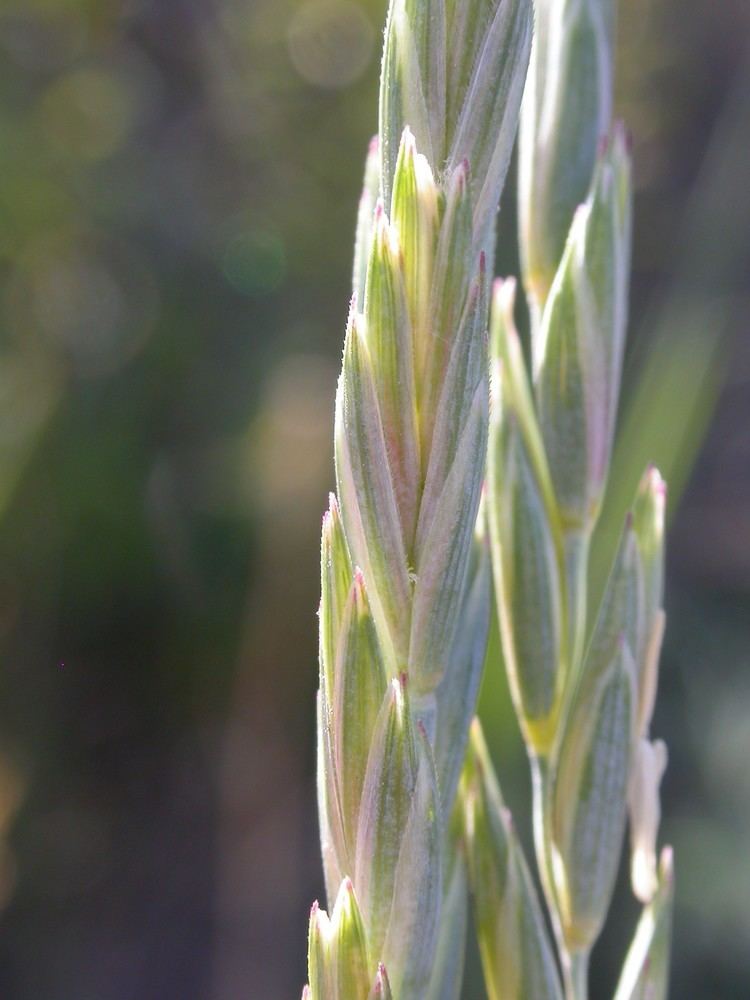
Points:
point(178, 187)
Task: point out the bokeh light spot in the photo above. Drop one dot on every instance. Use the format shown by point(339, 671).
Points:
point(87, 114)
point(87, 298)
point(254, 262)
point(330, 42)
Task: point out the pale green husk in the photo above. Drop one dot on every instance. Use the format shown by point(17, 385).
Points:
point(459, 465)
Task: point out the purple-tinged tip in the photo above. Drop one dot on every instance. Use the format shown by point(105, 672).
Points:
point(602, 146)
point(359, 591)
point(629, 520)
point(659, 483)
point(381, 980)
point(314, 909)
point(348, 885)
point(379, 209)
point(482, 263)
point(403, 679)
point(333, 504)
point(374, 146)
point(460, 183)
point(654, 481)
point(461, 176)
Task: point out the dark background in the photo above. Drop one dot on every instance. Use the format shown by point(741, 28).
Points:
point(178, 187)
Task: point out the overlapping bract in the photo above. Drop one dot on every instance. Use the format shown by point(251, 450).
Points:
point(566, 111)
point(411, 417)
point(600, 768)
point(583, 684)
point(378, 797)
point(526, 537)
point(517, 957)
point(405, 565)
point(577, 351)
point(405, 558)
point(455, 72)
